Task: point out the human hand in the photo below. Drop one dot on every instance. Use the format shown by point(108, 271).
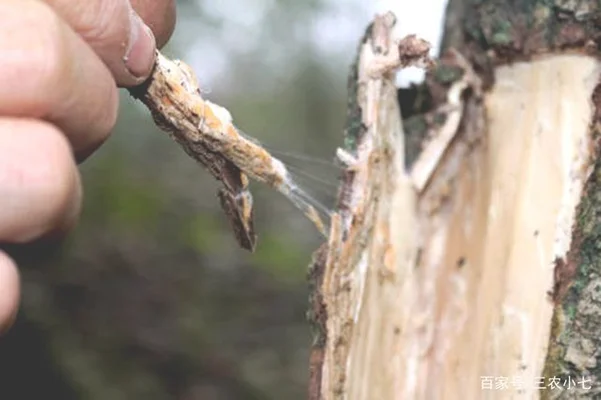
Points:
point(60, 64)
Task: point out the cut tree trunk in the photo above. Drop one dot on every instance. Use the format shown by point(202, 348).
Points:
point(464, 261)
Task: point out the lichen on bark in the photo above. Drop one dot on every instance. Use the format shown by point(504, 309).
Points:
point(574, 342)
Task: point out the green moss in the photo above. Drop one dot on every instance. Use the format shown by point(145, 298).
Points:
point(570, 311)
point(353, 127)
point(502, 33)
point(516, 30)
point(447, 74)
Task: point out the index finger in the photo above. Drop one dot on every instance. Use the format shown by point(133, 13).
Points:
point(49, 73)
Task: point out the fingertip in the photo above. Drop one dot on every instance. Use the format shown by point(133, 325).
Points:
point(9, 291)
point(39, 184)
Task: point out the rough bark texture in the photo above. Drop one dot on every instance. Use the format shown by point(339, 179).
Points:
point(487, 265)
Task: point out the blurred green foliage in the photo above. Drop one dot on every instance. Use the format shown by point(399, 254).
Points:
point(150, 298)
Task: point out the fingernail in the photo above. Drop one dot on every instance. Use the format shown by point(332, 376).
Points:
point(139, 57)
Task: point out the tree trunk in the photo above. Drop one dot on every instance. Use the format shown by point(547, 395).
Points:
point(463, 259)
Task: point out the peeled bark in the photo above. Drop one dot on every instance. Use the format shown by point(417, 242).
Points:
point(469, 252)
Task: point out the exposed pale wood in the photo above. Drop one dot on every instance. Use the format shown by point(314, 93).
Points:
point(508, 218)
point(361, 284)
point(430, 293)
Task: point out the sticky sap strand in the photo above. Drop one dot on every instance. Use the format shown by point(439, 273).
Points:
point(304, 158)
point(289, 187)
point(308, 205)
point(313, 184)
point(286, 154)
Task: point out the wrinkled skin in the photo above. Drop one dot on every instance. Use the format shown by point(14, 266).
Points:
point(58, 104)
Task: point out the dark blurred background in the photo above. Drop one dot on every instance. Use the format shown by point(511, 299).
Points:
point(150, 297)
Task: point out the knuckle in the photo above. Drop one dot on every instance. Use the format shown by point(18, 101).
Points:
point(104, 23)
